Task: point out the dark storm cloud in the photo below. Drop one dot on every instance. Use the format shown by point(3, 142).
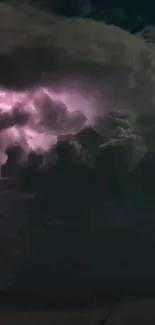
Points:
point(93, 57)
point(44, 47)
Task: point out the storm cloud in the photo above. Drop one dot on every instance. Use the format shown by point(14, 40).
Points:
point(85, 68)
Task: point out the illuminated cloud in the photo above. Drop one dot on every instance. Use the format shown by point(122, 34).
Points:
point(35, 119)
point(91, 67)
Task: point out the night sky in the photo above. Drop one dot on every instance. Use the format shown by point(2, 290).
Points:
point(137, 14)
point(89, 186)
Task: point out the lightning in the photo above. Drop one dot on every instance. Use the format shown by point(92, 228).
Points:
point(34, 119)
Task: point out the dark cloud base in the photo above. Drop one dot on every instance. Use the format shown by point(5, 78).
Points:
point(30, 66)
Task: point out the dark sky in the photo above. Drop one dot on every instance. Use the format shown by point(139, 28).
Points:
point(131, 21)
point(137, 14)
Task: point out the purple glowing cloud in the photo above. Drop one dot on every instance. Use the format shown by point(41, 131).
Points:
point(36, 118)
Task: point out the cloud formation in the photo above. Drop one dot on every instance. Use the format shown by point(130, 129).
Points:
point(58, 74)
point(35, 119)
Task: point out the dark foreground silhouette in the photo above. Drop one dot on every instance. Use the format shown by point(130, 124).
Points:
point(111, 255)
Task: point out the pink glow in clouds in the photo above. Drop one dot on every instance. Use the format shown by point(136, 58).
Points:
point(49, 115)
